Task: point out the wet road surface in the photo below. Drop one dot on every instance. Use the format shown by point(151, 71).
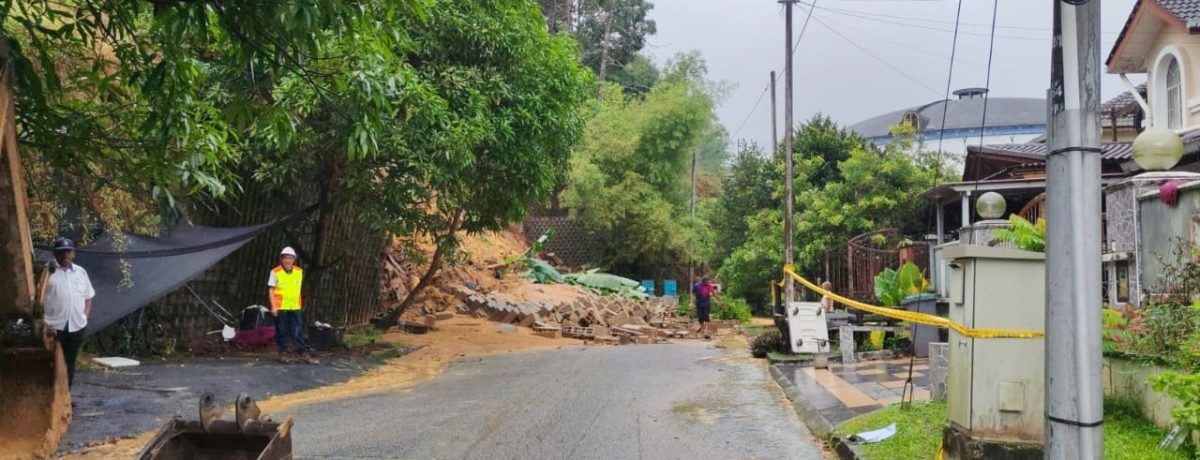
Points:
point(673, 401)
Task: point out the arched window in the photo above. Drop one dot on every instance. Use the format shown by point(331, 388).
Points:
point(913, 120)
point(1174, 92)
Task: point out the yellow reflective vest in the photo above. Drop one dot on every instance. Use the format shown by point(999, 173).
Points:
point(285, 288)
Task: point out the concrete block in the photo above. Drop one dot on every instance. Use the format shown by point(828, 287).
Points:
point(550, 334)
point(602, 331)
point(619, 320)
point(528, 320)
point(443, 316)
point(939, 367)
point(509, 317)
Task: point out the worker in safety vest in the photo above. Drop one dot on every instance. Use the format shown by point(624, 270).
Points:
point(285, 283)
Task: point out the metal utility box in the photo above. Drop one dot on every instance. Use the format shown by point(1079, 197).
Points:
point(995, 386)
point(806, 327)
point(923, 335)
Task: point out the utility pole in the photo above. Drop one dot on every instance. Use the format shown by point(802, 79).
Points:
point(774, 125)
point(788, 206)
point(1074, 396)
point(604, 47)
point(691, 265)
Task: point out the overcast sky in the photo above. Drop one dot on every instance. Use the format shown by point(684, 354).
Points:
point(742, 41)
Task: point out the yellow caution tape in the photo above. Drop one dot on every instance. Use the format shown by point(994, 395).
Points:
point(774, 295)
point(914, 317)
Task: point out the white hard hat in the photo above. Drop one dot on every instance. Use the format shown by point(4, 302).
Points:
point(288, 251)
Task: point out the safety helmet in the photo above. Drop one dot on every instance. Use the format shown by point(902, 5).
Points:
point(288, 251)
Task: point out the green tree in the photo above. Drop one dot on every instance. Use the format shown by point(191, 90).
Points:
point(636, 76)
point(749, 187)
point(630, 177)
point(879, 189)
point(842, 188)
point(626, 27)
point(822, 144)
point(449, 128)
point(119, 92)
point(749, 269)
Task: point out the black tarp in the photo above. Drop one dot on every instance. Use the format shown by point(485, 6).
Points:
point(157, 266)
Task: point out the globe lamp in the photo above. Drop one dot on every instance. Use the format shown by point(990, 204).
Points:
point(990, 205)
point(1157, 149)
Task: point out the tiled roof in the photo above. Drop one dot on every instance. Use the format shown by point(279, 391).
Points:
point(1186, 10)
point(1113, 151)
point(1123, 104)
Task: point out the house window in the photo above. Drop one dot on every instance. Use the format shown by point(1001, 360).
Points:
point(1122, 281)
point(1174, 91)
point(912, 120)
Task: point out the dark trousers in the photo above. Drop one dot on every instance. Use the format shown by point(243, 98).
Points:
point(70, 342)
point(289, 331)
point(703, 311)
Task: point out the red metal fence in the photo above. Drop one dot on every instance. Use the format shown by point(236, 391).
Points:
point(851, 267)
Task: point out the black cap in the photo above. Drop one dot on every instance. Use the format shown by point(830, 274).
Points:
point(64, 244)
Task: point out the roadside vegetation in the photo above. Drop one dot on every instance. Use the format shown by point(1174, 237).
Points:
point(1127, 434)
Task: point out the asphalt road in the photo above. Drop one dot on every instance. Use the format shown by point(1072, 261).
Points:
point(678, 401)
point(125, 402)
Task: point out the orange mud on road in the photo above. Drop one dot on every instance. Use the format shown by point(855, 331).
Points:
point(452, 340)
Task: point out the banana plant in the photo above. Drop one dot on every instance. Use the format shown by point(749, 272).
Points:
point(892, 286)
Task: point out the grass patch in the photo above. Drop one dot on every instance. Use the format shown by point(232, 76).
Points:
point(777, 357)
point(754, 330)
point(918, 430)
point(362, 337)
point(1127, 435)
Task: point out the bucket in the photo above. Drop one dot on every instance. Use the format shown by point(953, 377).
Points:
point(35, 408)
point(251, 436)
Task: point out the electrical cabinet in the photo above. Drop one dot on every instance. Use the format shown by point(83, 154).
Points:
point(995, 387)
point(807, 327)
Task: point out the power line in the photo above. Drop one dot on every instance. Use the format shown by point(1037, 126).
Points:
point(877, 58)
point(988, 86)
point(946, 101)
point(916, 50)
point(935, 21)
point(917, 26)
point(762, 95)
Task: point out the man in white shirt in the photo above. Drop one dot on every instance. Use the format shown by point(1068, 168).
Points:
point(69, 296)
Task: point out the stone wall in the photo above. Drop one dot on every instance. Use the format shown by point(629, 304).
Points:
point(572, 243)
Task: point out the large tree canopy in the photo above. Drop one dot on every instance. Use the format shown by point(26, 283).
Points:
point(842, 188)
point(427, 117)
point(611, 35)
point(630, 177)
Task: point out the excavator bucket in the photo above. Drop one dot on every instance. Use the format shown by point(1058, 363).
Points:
point(35, 401)
point(250, 436)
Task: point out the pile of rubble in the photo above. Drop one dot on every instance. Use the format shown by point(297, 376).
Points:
point(477, 289)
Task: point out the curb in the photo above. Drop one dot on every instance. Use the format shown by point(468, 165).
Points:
point(812, 418)
point(817, 423)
